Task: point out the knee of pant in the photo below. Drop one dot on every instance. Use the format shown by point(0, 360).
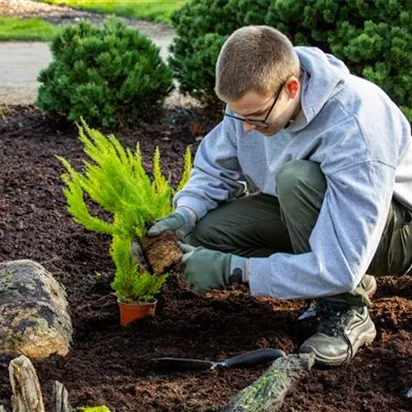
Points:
point(202, 235)
point(295, 177)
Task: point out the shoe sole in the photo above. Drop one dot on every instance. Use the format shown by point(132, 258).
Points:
point(366, 339)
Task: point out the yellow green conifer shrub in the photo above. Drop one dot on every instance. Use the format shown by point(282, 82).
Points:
point(114, 178)
point(94, 409)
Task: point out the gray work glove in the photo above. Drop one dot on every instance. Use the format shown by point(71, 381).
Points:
point(206, 269)
point(181, 222)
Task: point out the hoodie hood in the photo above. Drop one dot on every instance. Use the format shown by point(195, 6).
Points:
point(323, 77)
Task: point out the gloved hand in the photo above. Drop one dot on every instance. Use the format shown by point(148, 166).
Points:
point(206, 269)
point(181, 222)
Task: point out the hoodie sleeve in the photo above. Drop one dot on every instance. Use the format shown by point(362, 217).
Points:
point(343, 241)
point(216, 172)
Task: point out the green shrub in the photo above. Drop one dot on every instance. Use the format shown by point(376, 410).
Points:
point(115, 180)
point(201, 27)
point(372, 37)
point(199, 70)
point(110, 76)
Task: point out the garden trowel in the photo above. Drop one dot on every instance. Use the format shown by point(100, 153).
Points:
point(245, 359)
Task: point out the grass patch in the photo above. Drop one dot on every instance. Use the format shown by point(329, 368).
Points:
point(26, 30)
point(157, 10)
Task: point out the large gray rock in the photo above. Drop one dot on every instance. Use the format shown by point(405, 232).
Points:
point(34, 318)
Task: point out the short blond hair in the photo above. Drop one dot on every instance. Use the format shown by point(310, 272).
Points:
point(257, 58)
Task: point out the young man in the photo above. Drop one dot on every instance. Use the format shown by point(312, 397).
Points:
point(330, 157)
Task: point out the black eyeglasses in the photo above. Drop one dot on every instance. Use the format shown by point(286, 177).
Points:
point(257, 122)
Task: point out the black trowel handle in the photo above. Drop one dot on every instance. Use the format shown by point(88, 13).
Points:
point(254, 357)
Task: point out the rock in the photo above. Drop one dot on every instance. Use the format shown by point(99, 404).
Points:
point(34, 318)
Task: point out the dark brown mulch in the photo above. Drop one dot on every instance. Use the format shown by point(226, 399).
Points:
point(109, 364)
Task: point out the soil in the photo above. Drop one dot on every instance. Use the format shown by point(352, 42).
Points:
point(111, 365)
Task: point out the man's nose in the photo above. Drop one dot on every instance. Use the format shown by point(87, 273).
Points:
point(247, 127)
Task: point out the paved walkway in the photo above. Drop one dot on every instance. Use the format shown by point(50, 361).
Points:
point(21, 62)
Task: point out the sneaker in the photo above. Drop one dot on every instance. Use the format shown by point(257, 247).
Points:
point(369, 284)
point(309, 309)
point(341, 332)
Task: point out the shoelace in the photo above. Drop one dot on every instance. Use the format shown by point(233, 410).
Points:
point(333, 322)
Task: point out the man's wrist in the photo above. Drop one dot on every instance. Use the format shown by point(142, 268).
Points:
point(191, 212)
point(238, 270)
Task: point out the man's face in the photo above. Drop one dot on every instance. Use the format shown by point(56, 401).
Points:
point(274, 110)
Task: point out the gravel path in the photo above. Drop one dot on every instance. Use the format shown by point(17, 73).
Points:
point(22, 61)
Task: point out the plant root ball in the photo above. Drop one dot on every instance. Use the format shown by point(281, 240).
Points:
point(162, 251)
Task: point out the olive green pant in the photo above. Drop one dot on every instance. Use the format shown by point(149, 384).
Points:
point(260, 225)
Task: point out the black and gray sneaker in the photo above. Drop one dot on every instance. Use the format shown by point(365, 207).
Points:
point(341, 332)
point(309, 309)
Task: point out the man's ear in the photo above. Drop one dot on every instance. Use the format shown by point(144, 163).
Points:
point(292, 87)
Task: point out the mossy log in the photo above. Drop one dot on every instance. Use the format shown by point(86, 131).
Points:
point(60, 399)
point(25, 386)
point(27, 395)
point(266, 394)
point(162, 252)
point(34, 311)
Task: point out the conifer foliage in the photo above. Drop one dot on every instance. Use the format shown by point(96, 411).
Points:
point(372, 37)
point(114, 179)
point(110, 75)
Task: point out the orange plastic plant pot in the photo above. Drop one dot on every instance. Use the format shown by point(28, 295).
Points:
point(131, 312)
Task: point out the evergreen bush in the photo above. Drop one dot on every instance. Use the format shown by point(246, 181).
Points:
point(115, 180)
point(111, 76)
point(372, 37)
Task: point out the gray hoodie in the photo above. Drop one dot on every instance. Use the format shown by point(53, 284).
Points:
point(363, 144)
